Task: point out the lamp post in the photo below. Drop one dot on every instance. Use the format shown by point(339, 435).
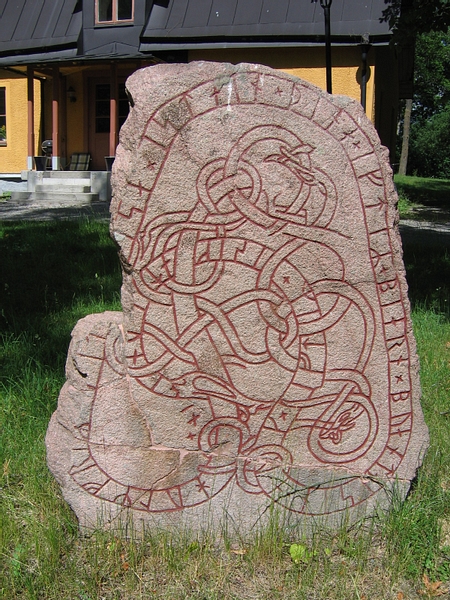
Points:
point(326, 5)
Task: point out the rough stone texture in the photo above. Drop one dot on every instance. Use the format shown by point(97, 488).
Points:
point(265, 351)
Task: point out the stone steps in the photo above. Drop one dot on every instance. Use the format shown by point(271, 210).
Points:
point(56, 198)
point(59, 188)
point(68, 188)
point(52, 175)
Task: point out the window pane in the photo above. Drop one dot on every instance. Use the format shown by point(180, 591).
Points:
point(2, 116)
point(102, 125)
point(124, 9)
point(102, 108)
point(105, 10)
point(102, 91)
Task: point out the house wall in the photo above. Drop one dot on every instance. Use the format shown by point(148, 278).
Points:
point(13, 156)
point(308, 64)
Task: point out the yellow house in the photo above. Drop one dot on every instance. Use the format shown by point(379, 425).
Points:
point(63, 65)
point(13, 121)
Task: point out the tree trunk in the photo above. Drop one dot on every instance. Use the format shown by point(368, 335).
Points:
point(405, 141)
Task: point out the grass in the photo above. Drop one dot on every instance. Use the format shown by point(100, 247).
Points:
point(423, 198)
point(55, 273)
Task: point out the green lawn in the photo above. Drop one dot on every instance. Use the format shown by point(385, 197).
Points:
point(55, 273)
point(423, 198)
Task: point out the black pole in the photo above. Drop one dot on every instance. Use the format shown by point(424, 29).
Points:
point(326, 5)
point(364, 78)
point(365, 47)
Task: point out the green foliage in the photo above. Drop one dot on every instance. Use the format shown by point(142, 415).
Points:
point(430, 116)
point(405, 206)
point(431, 75)
point(411, 17)
point(429, 140)
point(301, 553)
point(2, 132)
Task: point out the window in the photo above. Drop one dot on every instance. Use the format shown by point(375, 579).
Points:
point(102, 110)
point(114, 11)
point(2, 117)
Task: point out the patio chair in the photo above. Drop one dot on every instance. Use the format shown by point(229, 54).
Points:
point(79, 161)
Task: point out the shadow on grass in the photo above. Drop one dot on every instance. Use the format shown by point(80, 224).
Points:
point(11, 210)
point(425, 191)
point(52, 273)
point(427, 261)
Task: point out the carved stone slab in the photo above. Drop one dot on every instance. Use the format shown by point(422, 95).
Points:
point(264, 355)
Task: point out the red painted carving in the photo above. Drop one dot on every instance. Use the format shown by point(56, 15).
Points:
point(248, 327)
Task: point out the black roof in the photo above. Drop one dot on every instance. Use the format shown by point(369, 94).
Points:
point(39, 24)
point(52, 30)
point(219, 23)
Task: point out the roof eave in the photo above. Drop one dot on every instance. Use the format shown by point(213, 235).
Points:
point(210, 44)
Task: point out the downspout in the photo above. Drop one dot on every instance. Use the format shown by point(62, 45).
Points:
point(365, 47)
point(30, 116)
point(56, 158)
point(113, 110)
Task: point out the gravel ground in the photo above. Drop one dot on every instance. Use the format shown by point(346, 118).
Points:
point(12, 186)
point(27, 211)
point(425, 233)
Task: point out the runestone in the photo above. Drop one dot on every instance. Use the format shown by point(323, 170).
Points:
point(264, 358)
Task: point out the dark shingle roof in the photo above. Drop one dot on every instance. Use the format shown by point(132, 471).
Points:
point(216, 23)
point(38, 24)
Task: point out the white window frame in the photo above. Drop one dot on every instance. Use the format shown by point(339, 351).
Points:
point(114, 20)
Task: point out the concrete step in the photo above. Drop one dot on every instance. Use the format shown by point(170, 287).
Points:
point(60, 181)
point(65, 174)
point(20, 196)
point(65, 188)
point(55, 198)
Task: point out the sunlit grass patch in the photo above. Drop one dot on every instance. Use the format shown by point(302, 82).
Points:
point(423, 198)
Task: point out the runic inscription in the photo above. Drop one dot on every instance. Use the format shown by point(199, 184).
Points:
point(264, 353)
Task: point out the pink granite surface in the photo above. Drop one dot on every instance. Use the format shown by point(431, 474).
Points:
point(264, 355)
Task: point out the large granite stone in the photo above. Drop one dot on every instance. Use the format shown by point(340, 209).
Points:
point(264, 355)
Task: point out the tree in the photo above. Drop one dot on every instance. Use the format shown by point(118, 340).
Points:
point(422, 23)
point(431, 75)
point(409, 18)
point(405, 140)
point(429, 140)
point(430, 109)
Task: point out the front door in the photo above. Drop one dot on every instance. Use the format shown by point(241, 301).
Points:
point(99, 118)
